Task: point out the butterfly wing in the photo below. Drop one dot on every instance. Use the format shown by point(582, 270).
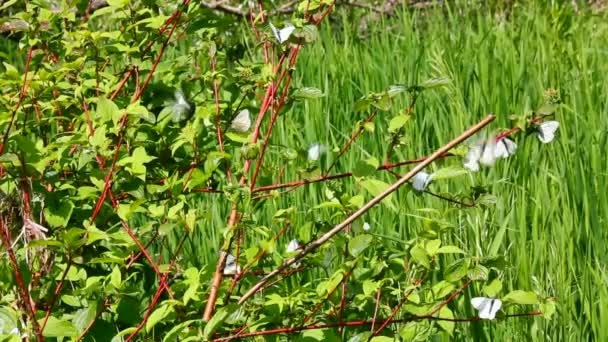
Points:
point(505, 147)
point(546, 131)
point(496, 305)
point(471, 159)
point(242, 122)
point(488, 307)
point(488, 154)
point(421, 180)
point(284, 33)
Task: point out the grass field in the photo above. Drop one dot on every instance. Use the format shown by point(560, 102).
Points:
point(550, 217)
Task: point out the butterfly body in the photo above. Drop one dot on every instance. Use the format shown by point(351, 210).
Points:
point(483, 152)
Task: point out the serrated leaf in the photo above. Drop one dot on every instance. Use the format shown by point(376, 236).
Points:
point(432, 247)
point(108, 110)
point(359, 243)
point(521, 297)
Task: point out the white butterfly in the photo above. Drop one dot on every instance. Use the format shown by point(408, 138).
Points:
point(505, 147)
point(421, 181)
point(483, 152)
point(293, 246)
point(242, 122)
point(231, 266)
point(367, 227)
point(546, 131)
point(488, 307)
point(315, 150)
point(283, 34)
point(180, 107)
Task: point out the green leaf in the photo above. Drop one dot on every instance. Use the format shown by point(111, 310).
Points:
point(493, 288)
point(376, 187)
point(307, 93)
point(58, 213)
point(442, 289)
point(159, 314)
point(135, 163)
point(58, 328)
point(115, 277)
point(398, 122)
point(365, 167)
point(382, 339)
point(359, 243)
point(448, 326)
point(85, 316)
point(432, 247)
point(217, 319)
point(108, 110)
point(174, 334)
point(457, 270)
point(420, 256)
point(449, 172)
point(450, 250)
point(521, 297)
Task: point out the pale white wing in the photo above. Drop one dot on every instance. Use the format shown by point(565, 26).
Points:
point(292, 246)
point(242, 122)
point(471, 159)
point(231, 266)
point(275, 31)
point(285, 33)
point(421, 181)
point(546, 131)
point(494, 308)
point(505, 147)
point(488, 307)
point(315, 150)
point(479, 302)
point(366, 226)
point(488, 154)
point(180, 107)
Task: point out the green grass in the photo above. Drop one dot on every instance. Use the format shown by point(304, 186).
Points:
point(550, 217)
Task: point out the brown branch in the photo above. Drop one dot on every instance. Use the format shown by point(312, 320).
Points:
point(317, 243)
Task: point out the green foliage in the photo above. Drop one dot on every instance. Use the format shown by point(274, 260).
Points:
point(116, 152)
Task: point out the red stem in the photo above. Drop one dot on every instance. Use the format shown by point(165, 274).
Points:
point(25, 296)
